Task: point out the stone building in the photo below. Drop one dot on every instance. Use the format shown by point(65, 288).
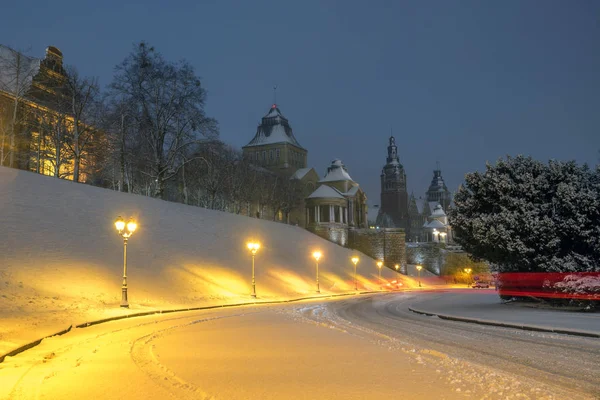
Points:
point(35, 122)
point(337, 205)
point(393, 211)
point(274, 146)
point(438, 192)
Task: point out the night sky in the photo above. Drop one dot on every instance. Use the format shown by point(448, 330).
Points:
point(459, 82)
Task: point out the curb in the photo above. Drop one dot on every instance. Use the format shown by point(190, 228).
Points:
point(28, 346)
point(36, 342)
point(564, 331)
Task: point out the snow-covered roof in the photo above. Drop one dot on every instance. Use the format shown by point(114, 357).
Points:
point(325, 192)
point(16, 71)
point(301, 173)
point(353, 190)
point(336, 172)
point(435, 224)
point(432, 205)
point(438, 211)
point(274, 128)
point(419, 204)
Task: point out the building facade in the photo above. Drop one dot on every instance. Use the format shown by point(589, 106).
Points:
point(393, 211)
point(274, 145)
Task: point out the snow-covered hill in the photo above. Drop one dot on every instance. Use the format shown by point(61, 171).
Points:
point(61, 258)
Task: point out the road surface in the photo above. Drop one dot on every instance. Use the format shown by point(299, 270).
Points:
point(364, 347)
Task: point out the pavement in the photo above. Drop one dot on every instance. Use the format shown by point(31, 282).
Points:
point(483, 306)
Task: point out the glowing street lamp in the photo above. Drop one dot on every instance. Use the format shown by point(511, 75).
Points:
point(468, 272)
point(253, 247)
point(355, 261)
point(125, 231)
point(419, 271)
point(379, 265)
point(397, 267)
point(317, 255)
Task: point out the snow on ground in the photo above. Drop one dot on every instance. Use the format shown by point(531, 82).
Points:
point(62, 258)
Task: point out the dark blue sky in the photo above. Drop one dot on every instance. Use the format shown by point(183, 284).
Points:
point(462, 82)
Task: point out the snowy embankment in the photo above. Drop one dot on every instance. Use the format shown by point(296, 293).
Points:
point(62, 260)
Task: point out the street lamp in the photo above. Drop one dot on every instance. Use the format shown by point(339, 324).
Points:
point(355, 261)
point(125, 231)
point(435, 234)
point(317, 256)
point(253, 247)
point(468, 272)
point(419, 271)
point(397, 267)
point(379, 265)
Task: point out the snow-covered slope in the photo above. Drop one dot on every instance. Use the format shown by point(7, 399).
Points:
point(61, 258)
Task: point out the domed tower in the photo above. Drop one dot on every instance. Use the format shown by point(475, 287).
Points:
point(438, 191)
point(274, 145)
point(394, 197)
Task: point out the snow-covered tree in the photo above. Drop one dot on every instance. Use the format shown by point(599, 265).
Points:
point(522, 215)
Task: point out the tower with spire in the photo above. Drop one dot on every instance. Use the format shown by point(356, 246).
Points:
point(394, 197)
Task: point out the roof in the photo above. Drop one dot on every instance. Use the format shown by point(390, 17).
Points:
point(299, 174)
point(353, 190)
point(438, 211)
point(274, 128)
point(336, 172)
point(326, 192)
point(435, 224)
point(16, 71)
point(419, 205)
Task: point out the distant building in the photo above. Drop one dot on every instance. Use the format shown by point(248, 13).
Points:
point(32, 92)
point(393, 211)
point(422, 219)
point(438, 191)
point(274, 145)
point(337, 205)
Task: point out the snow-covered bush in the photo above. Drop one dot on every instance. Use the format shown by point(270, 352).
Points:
point(522, 215)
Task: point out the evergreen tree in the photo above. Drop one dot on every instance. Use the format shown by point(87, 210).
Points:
point(522, 215)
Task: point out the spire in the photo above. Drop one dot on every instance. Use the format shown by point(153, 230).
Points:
point(275, 96)
point(392, 151)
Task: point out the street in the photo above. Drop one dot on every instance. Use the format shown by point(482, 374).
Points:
point(360, 347)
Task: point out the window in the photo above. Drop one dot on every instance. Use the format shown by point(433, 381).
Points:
point(324, 213)
point(264, 155)
point(270, 155)
point(277, 154)
point(336, 211)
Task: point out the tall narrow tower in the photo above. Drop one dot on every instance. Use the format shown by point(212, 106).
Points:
point(437, 189)
point(394, 197)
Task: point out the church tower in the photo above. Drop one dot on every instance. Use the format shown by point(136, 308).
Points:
point(438, 191)
point(274, 145)
point(394, 197)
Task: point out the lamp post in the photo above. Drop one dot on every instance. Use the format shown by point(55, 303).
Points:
point(379, 265)
point(355, 261)
point(468, 272)
point(397, 267)
point(419, 271)
point(317, 256)
point(253, 247)
point(125, 231)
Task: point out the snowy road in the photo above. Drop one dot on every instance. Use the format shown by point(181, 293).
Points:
point(365, 347)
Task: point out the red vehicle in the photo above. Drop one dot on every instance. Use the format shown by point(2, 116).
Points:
point(480, 285)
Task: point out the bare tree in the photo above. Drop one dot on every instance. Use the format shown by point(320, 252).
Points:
point(167, 103)
point(16, 74)
point(81, 104)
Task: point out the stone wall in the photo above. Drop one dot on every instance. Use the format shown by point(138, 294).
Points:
point(430, 255)
point(336, 233)
point(386, 244)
